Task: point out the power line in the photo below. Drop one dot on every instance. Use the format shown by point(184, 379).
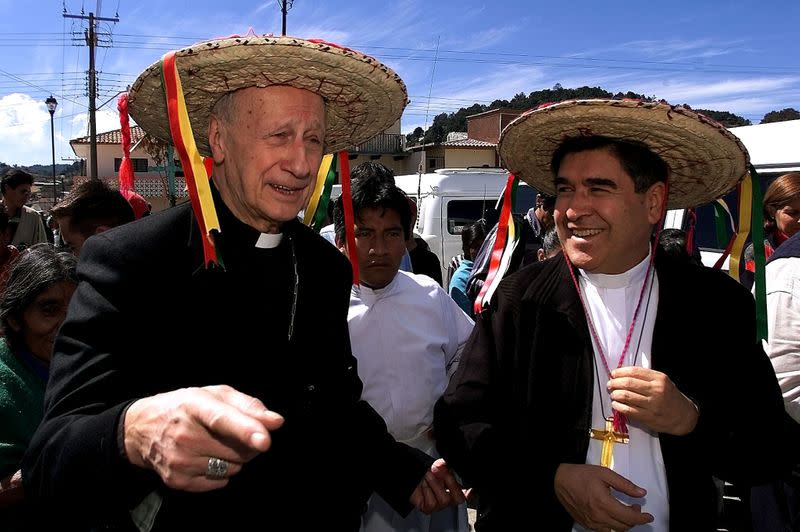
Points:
point(419, 54)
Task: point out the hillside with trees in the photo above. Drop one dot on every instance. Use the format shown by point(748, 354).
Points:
point(445, 123)
point(45, 170)
point(781, 116)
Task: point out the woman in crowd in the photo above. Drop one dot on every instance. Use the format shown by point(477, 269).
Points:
point(472, 237)
point(781, 208)
point(39, 286)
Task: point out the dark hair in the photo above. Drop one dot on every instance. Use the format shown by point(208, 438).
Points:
point(548, 202)
point(781, 192)
point(33, 272)
point(638, 161)
point(373, 194)
point(475, 232)
point(14, 178)
point(672, 245)
point(372, 170)
point(92, 204)
point(550, 241)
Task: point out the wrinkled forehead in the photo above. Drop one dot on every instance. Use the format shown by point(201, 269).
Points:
point(274, 97)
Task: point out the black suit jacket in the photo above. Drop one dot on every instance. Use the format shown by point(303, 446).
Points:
point(147, 318)
point(525, 382)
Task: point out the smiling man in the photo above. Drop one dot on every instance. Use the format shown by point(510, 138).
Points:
point(188, 394)
point(407, 335)
point(626, 372)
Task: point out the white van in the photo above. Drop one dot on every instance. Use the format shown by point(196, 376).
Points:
point(452, 198)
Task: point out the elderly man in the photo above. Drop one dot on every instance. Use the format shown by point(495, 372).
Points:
point(189, 393)
point(611, 362)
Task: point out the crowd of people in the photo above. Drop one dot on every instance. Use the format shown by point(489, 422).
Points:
point(597, 389)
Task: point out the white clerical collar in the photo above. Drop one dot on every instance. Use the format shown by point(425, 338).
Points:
point(368, 295)
point(269, 240)
point(632, 277)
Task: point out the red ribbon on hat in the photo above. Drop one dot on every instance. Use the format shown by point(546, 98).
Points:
point(183, 140)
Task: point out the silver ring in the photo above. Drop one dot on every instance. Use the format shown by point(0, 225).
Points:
point(217, 468)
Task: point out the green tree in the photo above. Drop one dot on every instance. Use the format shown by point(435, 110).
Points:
point(725, 118)
point(412, 139)
point(781, 116)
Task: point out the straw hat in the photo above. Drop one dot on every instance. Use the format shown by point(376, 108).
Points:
point(363, 97)
point(705, 159)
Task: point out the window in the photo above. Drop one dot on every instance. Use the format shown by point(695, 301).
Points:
point(139, 165)
point(465, 212)
point(434, 163)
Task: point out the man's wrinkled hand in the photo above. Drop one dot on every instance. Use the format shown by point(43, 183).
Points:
point(176, 433)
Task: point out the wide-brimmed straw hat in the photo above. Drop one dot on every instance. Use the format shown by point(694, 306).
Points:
point(705, 159)
point(362, 96)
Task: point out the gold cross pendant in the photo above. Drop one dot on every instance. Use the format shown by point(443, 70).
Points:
point(609, 438)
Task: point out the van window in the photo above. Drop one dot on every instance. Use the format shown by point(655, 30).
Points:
point(526, 198)
point(464, 212)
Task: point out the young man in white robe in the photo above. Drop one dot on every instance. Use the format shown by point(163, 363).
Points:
point(407, 335)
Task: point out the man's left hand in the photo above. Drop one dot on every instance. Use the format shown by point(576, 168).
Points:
point(437, 490)
point(649, 397)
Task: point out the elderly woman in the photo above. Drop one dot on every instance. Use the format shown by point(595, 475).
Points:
point(39, 286)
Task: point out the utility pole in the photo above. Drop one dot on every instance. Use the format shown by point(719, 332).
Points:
point(91, 42)
point(92, 101)
point(286, 5)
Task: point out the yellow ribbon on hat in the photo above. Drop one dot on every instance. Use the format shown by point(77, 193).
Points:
point(197, 179)
point(322, 174)
point(745, 211)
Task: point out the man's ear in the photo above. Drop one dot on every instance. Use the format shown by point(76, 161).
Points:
point(100, 229)
point(216, 139)
point(654, 199)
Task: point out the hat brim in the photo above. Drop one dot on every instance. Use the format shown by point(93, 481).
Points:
point(705, 160)
point(362, 96)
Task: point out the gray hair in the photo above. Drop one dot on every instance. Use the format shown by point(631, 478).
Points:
point(33, 272)
point(225, 108)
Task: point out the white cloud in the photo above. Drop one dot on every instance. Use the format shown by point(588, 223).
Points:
point(696, 90)
point(500, 83)
point(669, 50)
point(24, 130)
point(105, 120)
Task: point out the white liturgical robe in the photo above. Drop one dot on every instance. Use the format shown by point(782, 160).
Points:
point(407, 338)
point(612, 300)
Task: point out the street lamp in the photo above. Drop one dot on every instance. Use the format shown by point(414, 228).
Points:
point(52, 103)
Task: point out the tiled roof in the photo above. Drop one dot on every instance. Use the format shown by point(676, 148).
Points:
point(469, 143)
point(112, 137)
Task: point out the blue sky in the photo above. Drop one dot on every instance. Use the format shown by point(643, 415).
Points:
point(739, 56)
